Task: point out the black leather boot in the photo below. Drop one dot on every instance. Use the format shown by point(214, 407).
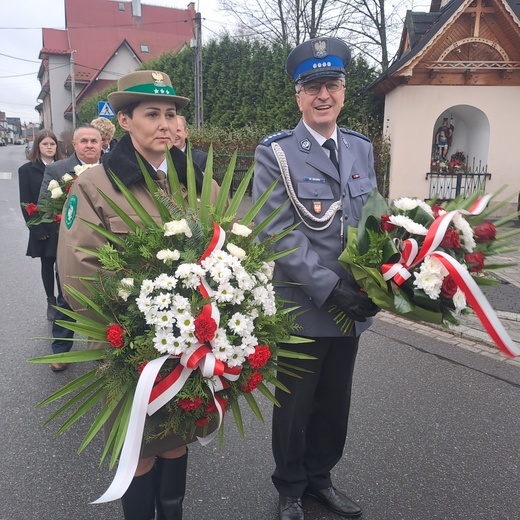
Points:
point(139, 499)
point(171, 486)
point(50, 309)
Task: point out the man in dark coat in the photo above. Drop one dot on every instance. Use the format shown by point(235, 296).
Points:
point(327, 174)
point(87, 151)
point(181, 141)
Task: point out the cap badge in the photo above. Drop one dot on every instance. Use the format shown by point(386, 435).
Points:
point(305, 144)
point(320, 49)
point(158, 77)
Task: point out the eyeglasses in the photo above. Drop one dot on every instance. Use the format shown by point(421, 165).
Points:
point(314, 88)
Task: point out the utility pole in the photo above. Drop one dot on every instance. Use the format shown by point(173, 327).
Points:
point(199, 114)
point(73, 89)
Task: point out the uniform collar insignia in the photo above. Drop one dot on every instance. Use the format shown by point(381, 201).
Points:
point(305, 144)
point(345, 142)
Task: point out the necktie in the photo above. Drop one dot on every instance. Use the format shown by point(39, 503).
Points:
point(330, 145)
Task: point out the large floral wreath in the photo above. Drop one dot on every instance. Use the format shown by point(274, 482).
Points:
point(186, 318)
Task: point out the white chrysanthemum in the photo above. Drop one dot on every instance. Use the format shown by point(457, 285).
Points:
point(238, 296)
point(467, 232)
point(240, 230)
point(167, 255)
point(177, 346)
point(147, 286)
point(220, 272)
point(164, 319)
point(56, 193)
point(407, 223)
point(163, 341)
point(224, 293)
point(190, 274)
point(430, 276)
point(144, 303)
point(264, 295)
point(459, 300)
point(241, 324)
point(179, 305)
point(162, 300)
point(186, 323)
point(165, 281)
point(53, 184)
point(176, 227)
point(245, 281)
point(407, 204)
point(236, 251)
point(67, 177)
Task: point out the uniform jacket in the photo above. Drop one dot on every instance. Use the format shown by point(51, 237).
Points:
point(199, 157)
point(314, 265)
point(92, 207)
point(30, 177)
point(56, 170)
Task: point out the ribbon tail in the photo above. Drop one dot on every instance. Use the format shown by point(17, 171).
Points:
point(134, 436)
point(479, 304)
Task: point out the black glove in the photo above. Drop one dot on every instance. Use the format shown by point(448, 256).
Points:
point(354, 302)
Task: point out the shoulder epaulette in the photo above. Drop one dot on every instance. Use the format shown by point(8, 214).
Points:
point(351, 132)
point(266, 141)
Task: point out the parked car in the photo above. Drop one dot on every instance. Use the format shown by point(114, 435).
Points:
point(2, 142)
point(18, 141)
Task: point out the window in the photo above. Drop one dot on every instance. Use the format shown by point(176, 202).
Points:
point(121, 6)
point(144, 48)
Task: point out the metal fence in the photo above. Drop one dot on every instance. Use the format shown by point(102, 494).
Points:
point(448, 185)
point(244, 162)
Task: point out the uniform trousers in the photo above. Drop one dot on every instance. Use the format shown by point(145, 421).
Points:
point(309, 429)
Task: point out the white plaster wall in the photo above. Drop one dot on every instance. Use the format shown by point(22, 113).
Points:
point(59, 70)
point(411, 113)
point(123, 62)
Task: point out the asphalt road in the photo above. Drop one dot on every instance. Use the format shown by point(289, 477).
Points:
point(434, 428)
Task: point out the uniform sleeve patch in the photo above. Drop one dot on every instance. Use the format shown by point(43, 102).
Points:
point(266, 141)
point(70, 211)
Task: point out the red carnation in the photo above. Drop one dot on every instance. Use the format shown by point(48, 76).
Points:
point(202, 421)
point(189, 405)
point(68, 187)
point(449, 287)
point(386, 225)
point(485, 232)
point(260, 356)
point(211, 407)
point(32, 208)
point(438, 211)
point(254, 380)
point(205, 328)
point(451, 239)
point(475, 261)
point(57, 218)
point(115, 335)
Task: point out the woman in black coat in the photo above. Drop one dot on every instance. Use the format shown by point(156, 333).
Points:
point(43, 238)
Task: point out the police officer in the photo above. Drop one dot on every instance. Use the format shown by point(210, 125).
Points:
point(327, 173)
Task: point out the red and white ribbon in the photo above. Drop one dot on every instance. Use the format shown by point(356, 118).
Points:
point(149, 398)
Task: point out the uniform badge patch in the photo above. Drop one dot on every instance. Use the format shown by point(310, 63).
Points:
point(70, 212)
point(305, 144)
point(316, 206)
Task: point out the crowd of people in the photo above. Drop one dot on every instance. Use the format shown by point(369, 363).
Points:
point(327, 174)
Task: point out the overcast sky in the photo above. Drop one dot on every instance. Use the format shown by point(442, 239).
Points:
point(21, 23)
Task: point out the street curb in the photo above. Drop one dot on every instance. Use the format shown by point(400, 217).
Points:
point(463, 337)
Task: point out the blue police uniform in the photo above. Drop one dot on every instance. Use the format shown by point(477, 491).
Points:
point(310, 427)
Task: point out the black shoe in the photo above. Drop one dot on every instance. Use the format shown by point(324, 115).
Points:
point(336, 501)
point(290, 508)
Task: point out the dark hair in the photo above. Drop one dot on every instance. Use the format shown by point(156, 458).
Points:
point(34, 154)
point(128, 110)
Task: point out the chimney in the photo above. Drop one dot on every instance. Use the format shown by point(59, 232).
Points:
point(136, 8)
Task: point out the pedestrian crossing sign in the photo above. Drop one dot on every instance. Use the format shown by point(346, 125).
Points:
point(105, 110)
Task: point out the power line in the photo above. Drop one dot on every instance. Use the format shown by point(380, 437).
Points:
point(19, 59)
